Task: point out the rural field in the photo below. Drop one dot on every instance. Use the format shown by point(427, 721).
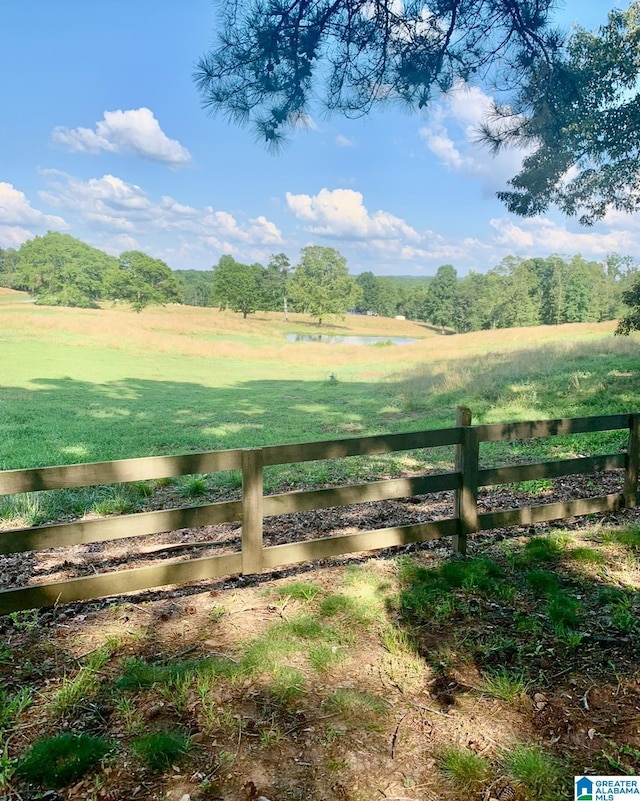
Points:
point(405, 674)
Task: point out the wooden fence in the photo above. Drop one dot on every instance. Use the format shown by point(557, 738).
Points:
point(254, 506)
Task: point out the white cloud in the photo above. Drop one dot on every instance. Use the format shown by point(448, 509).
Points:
point(16, 212)
point(264, 232)
point(341, 214)
point(114, 245)
point(12, 236)
point(451, 135)
point(107, 202)
point(542, 235)
point(342, 141)
point(112, 206)
point(134, 132)
point(15, 208)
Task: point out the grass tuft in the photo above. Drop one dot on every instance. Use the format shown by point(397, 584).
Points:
point(356, 705)
point(84, 684)
point(140, 675)
point(563, 611)
point(288, 684)
point(542, 582)
point(538, 772)
point(299, 591)
point(589, 556)
point(542, 549)
point(466, 770)
point(161, 749)
point(11, 706)
point(505, 684)
point(629, 538)
point(427, 593)
point(59, 761)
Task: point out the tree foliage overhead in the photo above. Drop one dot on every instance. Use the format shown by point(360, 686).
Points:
point(273, 60)
point(573, 101)
point(579, 112)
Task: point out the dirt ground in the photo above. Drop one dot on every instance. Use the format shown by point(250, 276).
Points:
point(581, 705)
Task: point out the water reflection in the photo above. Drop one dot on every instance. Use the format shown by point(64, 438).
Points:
point(349, 340)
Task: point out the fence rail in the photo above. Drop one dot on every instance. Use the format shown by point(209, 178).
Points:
point(466, 478)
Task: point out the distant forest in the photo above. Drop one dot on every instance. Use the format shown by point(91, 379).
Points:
point(57, 269)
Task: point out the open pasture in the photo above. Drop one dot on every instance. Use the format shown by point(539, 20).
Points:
point(89, 385)
point(93, 385)
point(405, 676)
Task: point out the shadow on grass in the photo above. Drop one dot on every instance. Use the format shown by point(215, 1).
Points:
point(242, 691)
point(66, 421)
point(540, 620)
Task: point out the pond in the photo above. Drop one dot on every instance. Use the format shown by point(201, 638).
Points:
point(330, 339)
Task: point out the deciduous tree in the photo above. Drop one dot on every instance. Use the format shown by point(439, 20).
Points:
point(579, 113)
point(142, 281)
point(322, 285)
point(236, 286)
point(441, 296)
point(60, 270)
point(276, 283)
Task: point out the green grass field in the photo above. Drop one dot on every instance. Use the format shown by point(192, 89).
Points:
point(83, 385)
point(93, 385)
point(407, 676)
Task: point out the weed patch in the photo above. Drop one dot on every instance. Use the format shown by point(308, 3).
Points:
point(59, 761)
point(467, 771)
point(160, 750)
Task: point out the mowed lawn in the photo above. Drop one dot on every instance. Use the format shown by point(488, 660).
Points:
point(87, 385)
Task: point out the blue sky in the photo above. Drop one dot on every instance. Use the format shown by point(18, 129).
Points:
point(102, 136)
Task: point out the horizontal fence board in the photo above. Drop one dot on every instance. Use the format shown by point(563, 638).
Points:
point(359, 446)
point(120, 581)
point(307, 500)
point(190, 570)
point(120, 471)
point(561, 467)
point(497, 432)
point(549, 511)
point(375, 539)
point(62, 535)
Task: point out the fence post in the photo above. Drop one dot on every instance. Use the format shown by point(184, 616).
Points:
point(252, 493)
point(465, 502)
point(631, 462)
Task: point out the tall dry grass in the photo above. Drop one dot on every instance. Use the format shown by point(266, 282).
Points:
point(210, 333)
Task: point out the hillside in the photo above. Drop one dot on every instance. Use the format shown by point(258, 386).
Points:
point(405, 674)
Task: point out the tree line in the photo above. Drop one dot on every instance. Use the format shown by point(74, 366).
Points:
point(517, 292)
point(57, 269)
point(528, 292)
